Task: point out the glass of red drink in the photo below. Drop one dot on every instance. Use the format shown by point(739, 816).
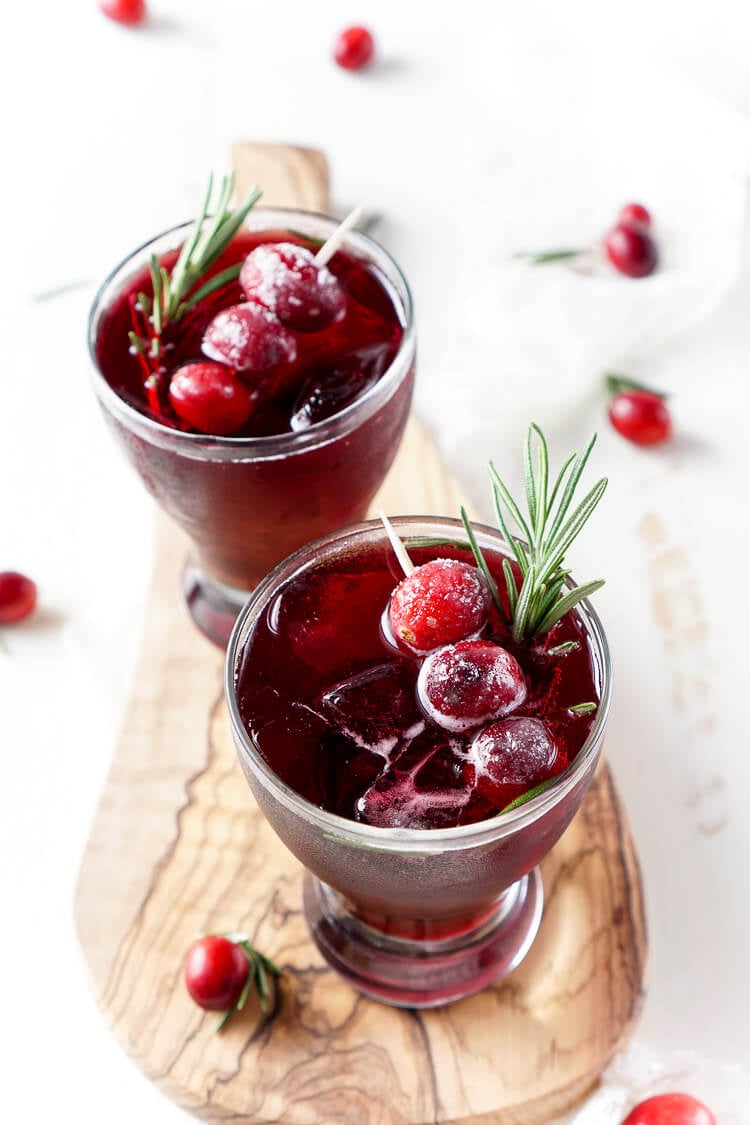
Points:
point(418, 888)
point(310, 460)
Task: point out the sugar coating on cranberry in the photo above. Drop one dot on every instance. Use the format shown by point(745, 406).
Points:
point(517, 751)
point(439, 603)
point(250, 339)
point(285, 279)
point(472, 682)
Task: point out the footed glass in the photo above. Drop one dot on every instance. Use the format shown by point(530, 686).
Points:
point(247, 502)
point(415, 917)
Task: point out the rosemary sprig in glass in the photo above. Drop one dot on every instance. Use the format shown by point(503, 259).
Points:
point(177, 290)
point(548, 531)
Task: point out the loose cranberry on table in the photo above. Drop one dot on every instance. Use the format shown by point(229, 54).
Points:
point(354, 48)
point(129, 12)
point(439, 603)
point(631, 249)
point(17, 597)
point(220, 969)
point(211, 398)
point(670, 1109)
point(636, 214)
point(286, 280)
point(638, 413)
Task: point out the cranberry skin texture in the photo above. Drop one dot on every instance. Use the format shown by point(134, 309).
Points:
point(17, 597)
point(635, 214)
point(129, 12)
point(472, 682)
point(518, 751)
point(354, 48)
point(250, 339)
point(286, 280)
point(640, 417)
point(210, 398)
point(439, 603)
point(215, 973)
point(631, 250)
point(670, 1109)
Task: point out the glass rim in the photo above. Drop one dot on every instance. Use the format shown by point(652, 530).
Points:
point(266, 445)
point(412, 839)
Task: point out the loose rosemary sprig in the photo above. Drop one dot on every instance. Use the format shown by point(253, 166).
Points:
point(177, 290)
point(547, 533)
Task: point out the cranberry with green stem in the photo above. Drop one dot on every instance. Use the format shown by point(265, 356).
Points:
point(211, 398)
point(18, 596)
point(670, 1109)
point(354, 48)
point(128, 12)
point(638, 412)
point(220, 970)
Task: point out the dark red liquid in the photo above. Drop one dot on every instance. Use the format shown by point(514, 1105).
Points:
point(324, 696)
point(245, 508)
point(333, 367)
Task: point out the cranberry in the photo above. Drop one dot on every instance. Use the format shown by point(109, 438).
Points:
point(670, 1109)
point(210, 398)
point(631, 250)
point(635, 214)
point(250, 339)
point(439, 603)
point(216, 970)
point(354, 48)
point(286, 280)
point(511, 755)
point(472, 682)
point(17, 597)
point(130, 12)
point(640, 416)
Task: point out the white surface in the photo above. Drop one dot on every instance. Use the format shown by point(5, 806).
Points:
point(108, 134)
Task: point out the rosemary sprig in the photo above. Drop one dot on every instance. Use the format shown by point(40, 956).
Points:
point(547, 534)
point(177, 290)
point(259, 966)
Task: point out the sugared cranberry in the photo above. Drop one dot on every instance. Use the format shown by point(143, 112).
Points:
point(286, 280)
point(250, 339)
point(472, 682)
point(354, 48)
point(130, 12)
point(516, 752)
point(670, 1109)
point(439, 603)
point(210, 398)
point(17, 597)
point(636, 214)
point(631, 250)
point(641, 417)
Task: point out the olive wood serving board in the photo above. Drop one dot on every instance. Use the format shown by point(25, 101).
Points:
point(178, 848)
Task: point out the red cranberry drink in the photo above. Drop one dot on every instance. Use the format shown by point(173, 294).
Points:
point(257, 367)
point(419, 718)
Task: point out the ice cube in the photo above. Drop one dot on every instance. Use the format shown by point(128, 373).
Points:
point(327, 391)
point(423, 788)
point(377, 708)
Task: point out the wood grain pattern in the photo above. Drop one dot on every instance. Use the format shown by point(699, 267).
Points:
point(178, 848)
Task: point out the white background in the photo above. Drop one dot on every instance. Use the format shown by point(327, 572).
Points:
point(484, 128)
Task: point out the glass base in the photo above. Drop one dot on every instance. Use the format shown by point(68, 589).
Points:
point(213, 605)
point(424, 974)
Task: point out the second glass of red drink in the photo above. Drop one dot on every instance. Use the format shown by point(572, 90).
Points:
point(268, 410)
